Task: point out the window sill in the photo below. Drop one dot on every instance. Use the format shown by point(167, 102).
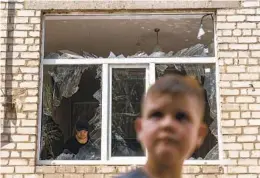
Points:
point(126, 161)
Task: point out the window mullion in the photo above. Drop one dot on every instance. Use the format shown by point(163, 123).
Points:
point(152, 73)
point(104, 123)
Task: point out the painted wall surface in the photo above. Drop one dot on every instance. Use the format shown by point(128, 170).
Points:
point(238, 39)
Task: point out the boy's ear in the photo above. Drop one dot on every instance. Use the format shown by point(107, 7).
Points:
point(203, 131)
point(138, 126)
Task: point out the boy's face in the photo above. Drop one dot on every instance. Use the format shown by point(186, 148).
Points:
point(170, 128)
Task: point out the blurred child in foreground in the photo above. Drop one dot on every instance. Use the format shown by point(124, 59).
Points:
point(170, 127)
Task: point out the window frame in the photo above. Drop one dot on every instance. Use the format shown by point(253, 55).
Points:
point(109, 114)
point(107, 65)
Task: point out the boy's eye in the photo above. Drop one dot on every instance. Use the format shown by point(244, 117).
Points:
point(181, 116)
point(156, 115)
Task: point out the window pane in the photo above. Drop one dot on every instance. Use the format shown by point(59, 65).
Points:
point(179, 35)
point(206, 75)
point(71, 106)
point(128, 86)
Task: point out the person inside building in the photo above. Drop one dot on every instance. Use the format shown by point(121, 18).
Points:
point(78, 140)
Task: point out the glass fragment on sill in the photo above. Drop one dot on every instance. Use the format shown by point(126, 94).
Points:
point(157, 54)
point(88, 55)
point(198, 50)
point(111, 55)
point(66, 54)
point(53, 56)
point(192, 158)
point(212, 154)
point(87, 152)
point(139, 54)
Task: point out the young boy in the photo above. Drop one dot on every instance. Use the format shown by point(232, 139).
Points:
point(171, 126)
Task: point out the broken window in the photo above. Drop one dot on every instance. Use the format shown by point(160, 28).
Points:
point(128, 86)
point(70, 93)
point(205, 74)
point(98, 69)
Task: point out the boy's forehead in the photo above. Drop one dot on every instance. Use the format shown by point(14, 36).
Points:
point(163, 100)
point(155, 100)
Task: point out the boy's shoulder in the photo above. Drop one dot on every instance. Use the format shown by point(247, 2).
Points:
point(138, 173)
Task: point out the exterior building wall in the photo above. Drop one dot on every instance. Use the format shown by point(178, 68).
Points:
point(238, 41)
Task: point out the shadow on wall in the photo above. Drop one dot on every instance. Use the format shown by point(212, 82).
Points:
point(10, 116)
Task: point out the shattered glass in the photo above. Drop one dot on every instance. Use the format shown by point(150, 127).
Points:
point(205, 74)
point(64, 83)
point(212, 154)
point(210, 85)
point(66, 78)
point(197, 50)
point(88, 152)
point(51, 138)
point(128, 85)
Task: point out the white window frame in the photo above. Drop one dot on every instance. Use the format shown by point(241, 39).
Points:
point(107, 65)
point(147, 83)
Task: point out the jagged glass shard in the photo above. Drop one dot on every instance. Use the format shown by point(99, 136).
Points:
point(64, 156)
point(157, 54)
point(214, 128)
point(99, 72)
point(51, 138)
point(210, 86)
point(139, 54)
point(170, 54)
point(88, 55)
point(212, 154)
point(111, 55)
point(53, 56)
point(66, 78)
point(161, 68)
point(98, 95)
point(66, 81)
point(201, 32)
point(96, 132)
point(121, 56)
point(69, 55)
point(197, 50)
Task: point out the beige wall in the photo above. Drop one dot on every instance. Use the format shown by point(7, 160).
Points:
point(238, 38)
